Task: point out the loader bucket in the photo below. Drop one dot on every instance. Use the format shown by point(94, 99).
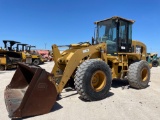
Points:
point(30, 92)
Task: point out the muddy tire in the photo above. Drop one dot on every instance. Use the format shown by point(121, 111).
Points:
point(155, 63)
point(36, 62)
point(139, 74)
point(93, 80)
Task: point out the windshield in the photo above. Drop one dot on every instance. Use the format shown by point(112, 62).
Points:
point(106, 32)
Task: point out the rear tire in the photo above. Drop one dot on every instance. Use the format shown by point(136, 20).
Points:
point(36, 62)
point(139, 74)
point(93, 80)
point(155, 63)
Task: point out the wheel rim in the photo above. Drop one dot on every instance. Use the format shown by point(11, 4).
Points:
point(98, 81)
point(144, 74)
point(36, 62)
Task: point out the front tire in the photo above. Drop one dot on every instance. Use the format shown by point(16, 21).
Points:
point(139, 74)
point(155, 63)
point(36, 62)
point(93, 80)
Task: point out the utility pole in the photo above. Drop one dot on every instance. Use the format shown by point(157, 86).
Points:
point(45, 45)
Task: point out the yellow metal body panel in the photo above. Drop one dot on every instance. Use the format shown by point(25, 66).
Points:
point(23, 56)
point(3, 60)
point(35, 56)
point(144, 50)
point(38, 57)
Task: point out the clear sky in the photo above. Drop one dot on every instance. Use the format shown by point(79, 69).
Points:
point(46, 22)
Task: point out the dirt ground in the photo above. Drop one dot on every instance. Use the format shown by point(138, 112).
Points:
point(121, 104)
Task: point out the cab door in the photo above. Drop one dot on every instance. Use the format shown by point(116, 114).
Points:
point(124, 36)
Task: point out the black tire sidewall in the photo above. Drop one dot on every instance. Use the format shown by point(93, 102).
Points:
point(155, 63)
point(143, 65)
point(93, 95)
point(36, 62)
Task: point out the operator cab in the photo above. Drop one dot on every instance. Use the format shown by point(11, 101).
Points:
point(11, 43)
point(28, 48)
point(21, 47)
point(116, 32)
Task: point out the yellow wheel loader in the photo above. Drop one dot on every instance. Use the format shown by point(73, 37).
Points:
point(8, 56)
point(36, 58)
point(90, 66)
point(28, 56)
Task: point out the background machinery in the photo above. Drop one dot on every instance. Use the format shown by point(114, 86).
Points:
point(8, 56)
point(91, 67)
point(37, 59)
point(46, 54)
point(153, 59)
point(15, 52)
point(31, 55)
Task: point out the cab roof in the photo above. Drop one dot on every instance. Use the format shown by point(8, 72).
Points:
point(22, 44)
point(113, 18)
point(11, 41)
